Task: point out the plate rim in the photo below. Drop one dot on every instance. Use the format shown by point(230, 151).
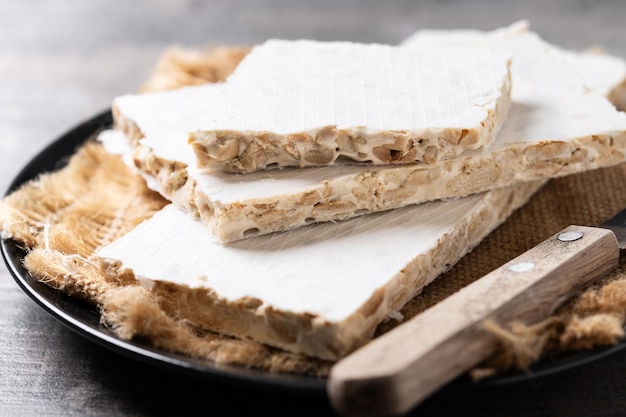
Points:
point(50, 159)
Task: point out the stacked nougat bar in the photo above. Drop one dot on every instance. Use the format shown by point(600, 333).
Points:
point(305, 133)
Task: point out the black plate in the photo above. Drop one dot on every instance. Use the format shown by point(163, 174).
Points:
point(84, 318)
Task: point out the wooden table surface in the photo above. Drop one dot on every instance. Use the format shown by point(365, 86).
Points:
point(62, 61)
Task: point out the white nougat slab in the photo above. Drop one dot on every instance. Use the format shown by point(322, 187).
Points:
point(319, 290)
point(307, 103)
point(557, 95)
point(600, 71)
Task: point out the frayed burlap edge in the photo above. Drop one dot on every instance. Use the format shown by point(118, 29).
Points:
point(180, 67)
point(590, 320)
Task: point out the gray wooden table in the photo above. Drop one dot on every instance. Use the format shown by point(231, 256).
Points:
point(62, 61)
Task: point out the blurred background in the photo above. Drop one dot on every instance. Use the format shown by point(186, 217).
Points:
point(63, 61)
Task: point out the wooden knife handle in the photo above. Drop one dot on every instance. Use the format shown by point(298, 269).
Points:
point(393, 373)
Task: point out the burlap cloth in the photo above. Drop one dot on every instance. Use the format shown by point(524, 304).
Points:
point(63, 217)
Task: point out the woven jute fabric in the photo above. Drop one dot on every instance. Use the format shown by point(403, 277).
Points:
point(62, 218)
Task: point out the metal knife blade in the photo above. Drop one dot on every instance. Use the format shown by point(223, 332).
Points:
point(394, 372)
point(617, 224)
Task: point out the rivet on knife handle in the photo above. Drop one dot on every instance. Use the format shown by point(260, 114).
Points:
point(393, 373)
